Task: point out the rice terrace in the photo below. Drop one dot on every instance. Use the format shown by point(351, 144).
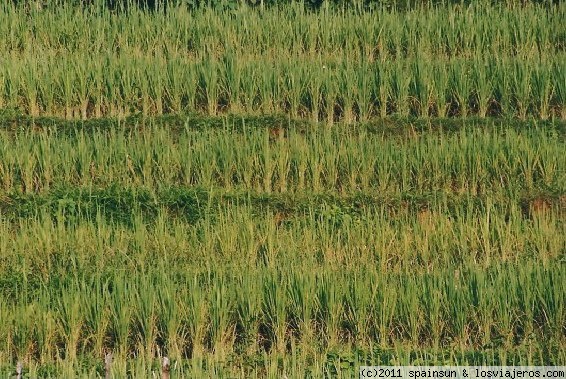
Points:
point(280, 189)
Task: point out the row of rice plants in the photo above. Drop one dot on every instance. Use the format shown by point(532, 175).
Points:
point(317, 90)
point(474, 160)
point(398, 238)
point(157, 62)
point(475, 31)
point(161, 307)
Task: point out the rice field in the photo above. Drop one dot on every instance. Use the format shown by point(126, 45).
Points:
point(444, 61)
point(279, 192)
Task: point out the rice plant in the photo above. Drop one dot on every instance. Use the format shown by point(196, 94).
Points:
point(138, 61)
point(280, 192)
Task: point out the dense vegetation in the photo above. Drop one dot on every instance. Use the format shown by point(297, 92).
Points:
point(479, 60)
point(279, 192)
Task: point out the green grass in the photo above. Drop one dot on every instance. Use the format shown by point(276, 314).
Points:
point(473, 160)
point(433, 244)
point(448, 61)
point(281, 193)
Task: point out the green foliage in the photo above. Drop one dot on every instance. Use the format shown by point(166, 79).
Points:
point(331, 65)
point(422, 244)
point(321, 188)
